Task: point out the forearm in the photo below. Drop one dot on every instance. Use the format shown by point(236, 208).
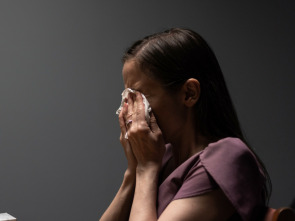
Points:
point(145, 197)
point(120, 207)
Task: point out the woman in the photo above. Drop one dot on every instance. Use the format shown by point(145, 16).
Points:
point(191, 161)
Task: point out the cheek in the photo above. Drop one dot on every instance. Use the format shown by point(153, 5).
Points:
point(164, 120)
point(159, 115)
point(170, 119)
point(163, 107)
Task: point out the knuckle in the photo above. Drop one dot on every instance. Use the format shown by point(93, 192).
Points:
point(158, 134)
point(153, 120)
point(143, 125)
point(143, 130)
point(138, 131)
point(121, 124)
point(132, 132)
point(121, 121)
point(121, 139)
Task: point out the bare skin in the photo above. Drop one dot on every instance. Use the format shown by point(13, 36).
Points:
point(145, 148)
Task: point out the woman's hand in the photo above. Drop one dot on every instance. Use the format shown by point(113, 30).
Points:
point(146, 141)
point(132, 163)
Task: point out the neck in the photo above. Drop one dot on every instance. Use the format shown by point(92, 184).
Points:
point(187, 143)
point(184, 149)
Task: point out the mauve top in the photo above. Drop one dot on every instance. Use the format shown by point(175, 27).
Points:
point(227, 164)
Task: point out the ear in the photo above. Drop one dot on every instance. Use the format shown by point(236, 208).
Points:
point(192, 90)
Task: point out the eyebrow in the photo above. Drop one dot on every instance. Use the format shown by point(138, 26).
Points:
point(135, 88)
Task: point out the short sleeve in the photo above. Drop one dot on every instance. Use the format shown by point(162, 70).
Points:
point(197, 182)
point(236, 171)
point(227, 164)
point(187, 180)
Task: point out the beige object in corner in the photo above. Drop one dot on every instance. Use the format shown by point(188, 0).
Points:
point(6, 217)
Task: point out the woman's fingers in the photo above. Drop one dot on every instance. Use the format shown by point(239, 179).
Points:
point(125, 120)
point(153, 124)
point(125, 143)
point(139, 108)
point(136, 109)
point(135, 114)
point(122, 118)
point(129, 112)
point(138, 128)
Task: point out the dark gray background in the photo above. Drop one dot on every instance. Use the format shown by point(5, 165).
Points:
point(60, 85)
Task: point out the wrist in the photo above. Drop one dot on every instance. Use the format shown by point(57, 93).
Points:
point(129, 177)
point(147, 172)
point(150, 167)
point(145, 196)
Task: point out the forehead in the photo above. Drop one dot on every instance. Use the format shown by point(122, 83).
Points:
point(130, 72)
point(134, 77)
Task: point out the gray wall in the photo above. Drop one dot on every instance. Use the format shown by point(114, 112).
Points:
point(60, 85)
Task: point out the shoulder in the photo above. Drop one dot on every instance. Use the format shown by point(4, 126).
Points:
point(237, 172)
point(230, 155)
point(227, 149)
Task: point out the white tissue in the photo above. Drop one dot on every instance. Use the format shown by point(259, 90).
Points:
point(147, 107)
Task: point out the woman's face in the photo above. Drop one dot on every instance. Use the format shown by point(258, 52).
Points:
point(167, 107)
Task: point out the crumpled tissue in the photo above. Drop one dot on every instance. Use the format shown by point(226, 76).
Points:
point(147, 107)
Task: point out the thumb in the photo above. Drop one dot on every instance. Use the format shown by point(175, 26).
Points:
point(153, 123)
